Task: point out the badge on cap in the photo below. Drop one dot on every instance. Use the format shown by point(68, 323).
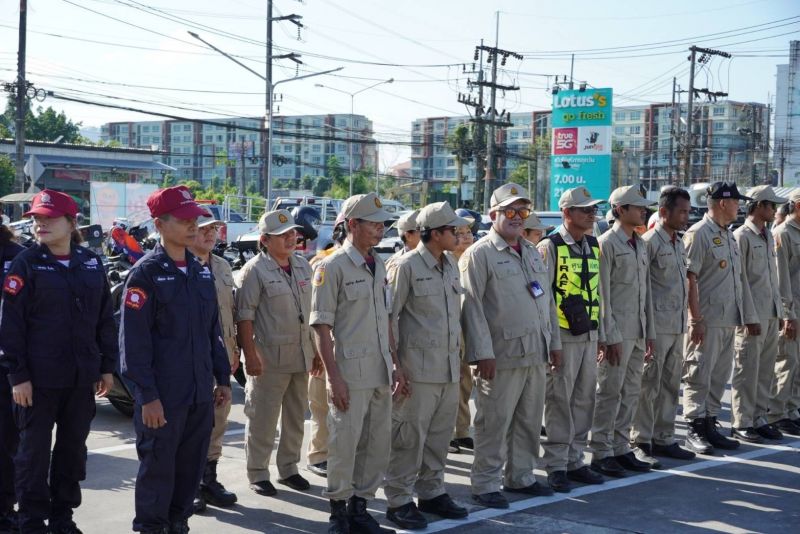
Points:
point(378, 203)
point(45, 198)
point(135, 298)
point(723, 264)
point(513, 190)
point(717, 241)
point(186, 194)
point(13, 284)
point(282, 218)
point(319, 276)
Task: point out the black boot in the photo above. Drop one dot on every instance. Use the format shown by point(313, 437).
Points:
point(696, 438)
point(180, 526)
point(360, 520)
point(339, 522)
point(199, 503)
point(215, 493)
point(717, 440)
point(8, 522)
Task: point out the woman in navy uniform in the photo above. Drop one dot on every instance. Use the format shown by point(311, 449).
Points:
point(59, 349)
point(171, 348)
point(8, 430)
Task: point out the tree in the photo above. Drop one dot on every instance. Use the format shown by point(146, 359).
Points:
point(44, 125)
point(307, 182)
point(168, 181)
point(7, 175)
point(322, 186)
point(460, 145)
point(527, 165)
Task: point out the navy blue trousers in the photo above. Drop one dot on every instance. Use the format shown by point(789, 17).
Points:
point(9, 437)
point(172, 459)
point(48, 483)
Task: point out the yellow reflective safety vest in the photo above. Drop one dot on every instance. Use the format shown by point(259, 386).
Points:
point(577, 275)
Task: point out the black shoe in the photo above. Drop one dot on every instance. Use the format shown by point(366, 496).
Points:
point(584, 475)
point(717, 440)
point(672, 451)
point(212, 490)
point(769, 432)
point(453, 447)
point(559, 482)
point(748, 434)
point(296, 482)
point(630, 462)
point(163, 530)
point(696, 438)
point(467, 443)
point(494, 499)
point(360, 520)
point(264, 487)
point(8, 522)
point(66, 527)
point(339, 522)
point(644, 453)
point(443, 506)
point(199, 503)
point(535, 489)
point(179, 527)
point(786, 426)
point(407, 517)
point(320, 469)
point(609, 467)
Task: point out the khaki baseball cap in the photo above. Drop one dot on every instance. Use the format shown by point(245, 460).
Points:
point(508, 194)
point(276, 222)
point(437, 215)
point(407, 222)
point(208, 221)
point(533, 222)
point(765, 193)
point(629, 195)
point(367, 207)
point(577, 197)
point(794, 196)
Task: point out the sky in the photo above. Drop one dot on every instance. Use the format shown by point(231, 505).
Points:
point(138, 53)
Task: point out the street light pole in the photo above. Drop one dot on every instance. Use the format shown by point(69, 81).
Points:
point(352, 119)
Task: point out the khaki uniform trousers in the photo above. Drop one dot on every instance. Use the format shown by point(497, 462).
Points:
point(421, 430)
point(358, 444)
point(464, 418)
point(508, 421)
point(753, 372)
point(569, 405)
point(318, 405)
point(617, 395)
point(706, 369)
point(785, 385)
point(268, 397)
point(218, 432)
point(661, 387)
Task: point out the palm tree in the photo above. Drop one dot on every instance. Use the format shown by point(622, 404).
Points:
point(460, 145)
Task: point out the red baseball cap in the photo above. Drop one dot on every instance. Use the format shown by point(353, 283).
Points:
point(176, 201)
point(52, 204)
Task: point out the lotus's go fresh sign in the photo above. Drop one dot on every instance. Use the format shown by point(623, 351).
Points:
point(581, 150)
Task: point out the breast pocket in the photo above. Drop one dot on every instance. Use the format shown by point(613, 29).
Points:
point(356, 291)
point(758, 258)
point(276, 289)
point(625, 269)
point(509, 277)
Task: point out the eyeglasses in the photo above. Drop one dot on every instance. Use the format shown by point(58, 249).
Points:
point(510, 213)
point(588, 210)
point(451, 229)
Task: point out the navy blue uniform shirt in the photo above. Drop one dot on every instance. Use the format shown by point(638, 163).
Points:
point(7, 253)
point(170, 337)
point(56, 323)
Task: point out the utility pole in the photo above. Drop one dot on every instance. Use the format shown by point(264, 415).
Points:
point(672, 134)
point(19, 128)
point(767, 172)
point(706, 54)
point(478, 132)
point(783, 159)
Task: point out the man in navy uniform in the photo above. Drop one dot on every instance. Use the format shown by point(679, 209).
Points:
point(171, 348)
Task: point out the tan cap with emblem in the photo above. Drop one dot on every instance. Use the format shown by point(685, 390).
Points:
point(407, 222)
point(276, 222)
point(367, 207)
point(765, 193)
point(629, 195)
point(577, 197)
point(508, 194)
point(437, 215)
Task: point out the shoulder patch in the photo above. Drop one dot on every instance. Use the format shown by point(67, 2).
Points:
point(135, 298)
point(13, 284)
point(319, 276)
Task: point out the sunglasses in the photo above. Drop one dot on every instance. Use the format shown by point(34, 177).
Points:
point(510, 213)
point(588, 210)
point(451, 229)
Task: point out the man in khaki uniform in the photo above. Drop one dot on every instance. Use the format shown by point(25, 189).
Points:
point(654, 424)
point(409, 235)
point(426, 314)
point(572, 256)
point(719, 301)
point(509, 318)
point(350, 303)
point(754, 363)
point(211, 491)
point(629, 331)
point(534, 229)
point(783, 406)
point(273, 305)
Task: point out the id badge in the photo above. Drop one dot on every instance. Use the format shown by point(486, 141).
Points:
point(536, 289)
point(387, 296)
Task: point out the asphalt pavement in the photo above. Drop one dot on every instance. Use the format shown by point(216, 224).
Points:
point(755, 489)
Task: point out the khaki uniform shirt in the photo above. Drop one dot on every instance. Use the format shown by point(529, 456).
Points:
point(351, 300)
point(426, 314)
point(547, 249)
point(279, 305)
point(713, 255)
point(760, 269)
point(499, 314)
point(668, 281)
point(787, 242)
point(390, 263)
point(625, 284)
point(223, 283)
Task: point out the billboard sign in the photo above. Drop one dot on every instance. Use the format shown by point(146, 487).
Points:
point(581, 142)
